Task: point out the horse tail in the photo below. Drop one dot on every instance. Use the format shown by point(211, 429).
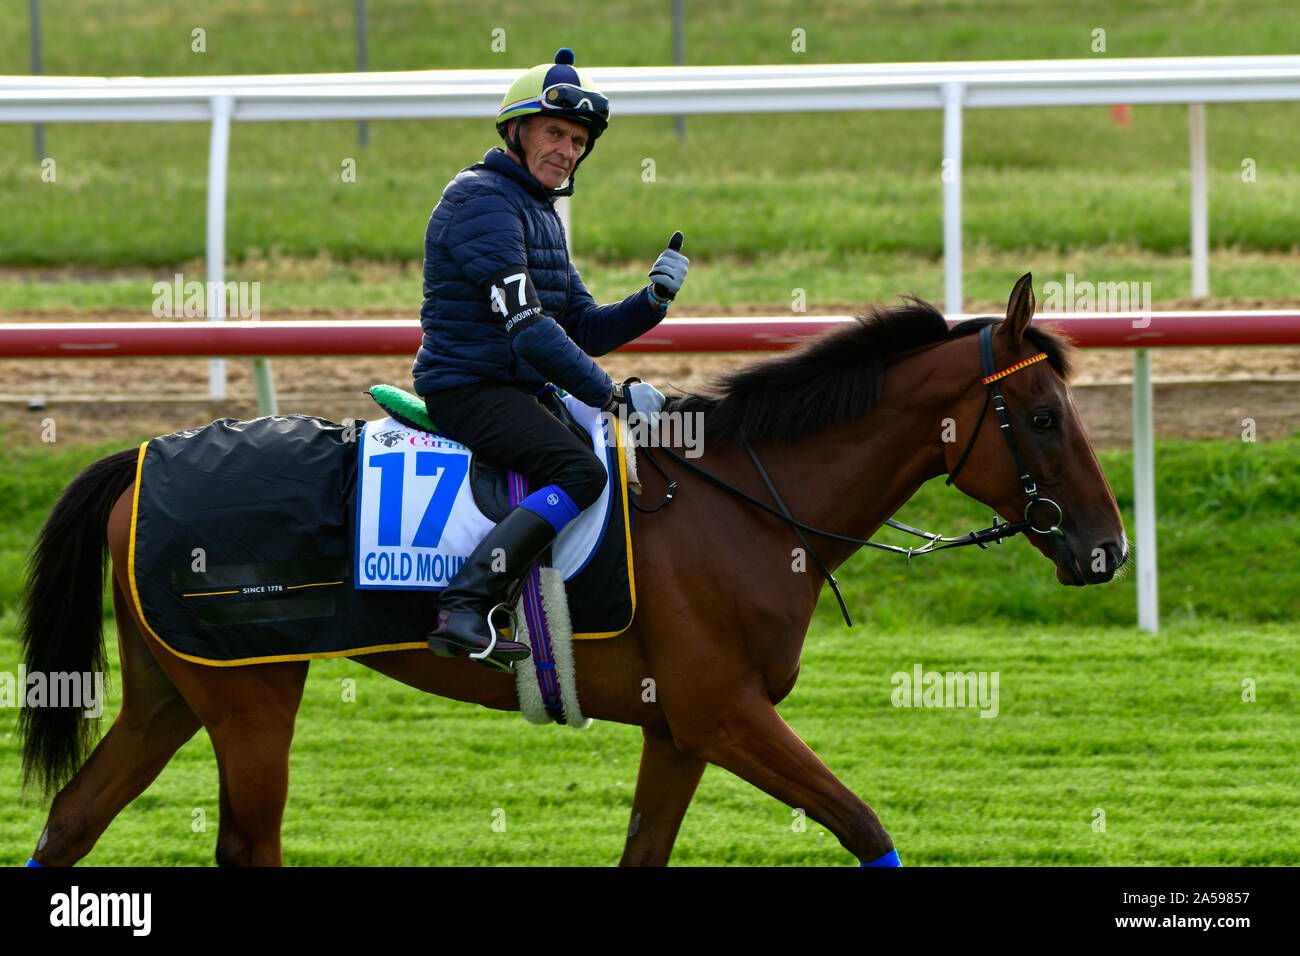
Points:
point(63, 616)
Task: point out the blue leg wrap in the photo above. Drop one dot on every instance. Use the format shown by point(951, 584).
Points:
point(552, 504)
point(889, 859)
point(32, 863)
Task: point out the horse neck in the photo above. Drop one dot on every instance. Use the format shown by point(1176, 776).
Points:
point(850, 478)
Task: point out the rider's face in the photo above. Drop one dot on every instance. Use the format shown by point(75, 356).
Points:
point(552, 146)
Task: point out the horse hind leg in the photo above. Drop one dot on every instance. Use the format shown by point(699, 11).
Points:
point(249, 713)
point(154, 722)
point(253, 764)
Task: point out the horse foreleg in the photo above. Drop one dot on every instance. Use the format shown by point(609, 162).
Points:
point(664, 787)
point(754, 743)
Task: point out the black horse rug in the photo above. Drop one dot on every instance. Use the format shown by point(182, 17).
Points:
point(243, 546)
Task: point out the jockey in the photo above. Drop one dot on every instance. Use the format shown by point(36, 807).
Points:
point(505, 312)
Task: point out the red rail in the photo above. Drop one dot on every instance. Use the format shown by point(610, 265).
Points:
point(202, 339)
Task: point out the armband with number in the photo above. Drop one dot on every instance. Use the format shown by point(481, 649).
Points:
point(513, 296)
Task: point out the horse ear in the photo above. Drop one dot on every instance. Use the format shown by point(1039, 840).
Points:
point(1020, 307)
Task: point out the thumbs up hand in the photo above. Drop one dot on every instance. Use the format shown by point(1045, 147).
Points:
point(669, 271)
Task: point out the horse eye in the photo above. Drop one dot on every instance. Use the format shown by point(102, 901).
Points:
point(1043, 420)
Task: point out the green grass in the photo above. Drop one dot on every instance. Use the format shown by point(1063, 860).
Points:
point(1151, 730)
point(1093, 714)
point(754, 190)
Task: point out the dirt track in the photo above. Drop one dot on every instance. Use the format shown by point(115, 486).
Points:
point(105, 399)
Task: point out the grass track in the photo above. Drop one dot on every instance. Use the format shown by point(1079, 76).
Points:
point(1151, 730)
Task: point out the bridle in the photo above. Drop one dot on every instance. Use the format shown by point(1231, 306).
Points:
point(993, 390)
point(991, 380)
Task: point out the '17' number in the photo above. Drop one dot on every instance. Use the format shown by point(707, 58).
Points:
point(498, 297)
point(448, 467)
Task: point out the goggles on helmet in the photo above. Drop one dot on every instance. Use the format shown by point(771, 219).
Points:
point(566, 96)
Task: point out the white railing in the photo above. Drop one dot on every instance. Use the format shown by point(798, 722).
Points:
point(645, 91)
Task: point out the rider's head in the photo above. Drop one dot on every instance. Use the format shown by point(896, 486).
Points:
point(552, 91)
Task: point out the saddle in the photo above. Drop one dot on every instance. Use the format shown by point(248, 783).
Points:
point(487, 480)
point(558, 598)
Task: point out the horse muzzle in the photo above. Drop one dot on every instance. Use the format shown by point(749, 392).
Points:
point(1097, 566)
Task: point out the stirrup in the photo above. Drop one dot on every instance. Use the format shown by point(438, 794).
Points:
point(485, 656)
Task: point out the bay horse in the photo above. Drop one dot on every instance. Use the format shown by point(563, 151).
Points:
point(849, 426)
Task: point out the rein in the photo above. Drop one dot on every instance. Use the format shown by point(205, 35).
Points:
point(934, 542)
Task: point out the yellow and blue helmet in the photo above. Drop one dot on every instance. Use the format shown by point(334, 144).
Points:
point(557, 89)
point(554, 89)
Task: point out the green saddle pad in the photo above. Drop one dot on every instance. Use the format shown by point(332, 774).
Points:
point(402, 406)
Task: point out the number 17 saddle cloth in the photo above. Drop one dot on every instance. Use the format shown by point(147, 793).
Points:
point(295, 538)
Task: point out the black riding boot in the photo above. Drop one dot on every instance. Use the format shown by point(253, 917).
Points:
point(482, 583)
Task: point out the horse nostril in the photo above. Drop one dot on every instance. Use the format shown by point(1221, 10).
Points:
point(1115, 556)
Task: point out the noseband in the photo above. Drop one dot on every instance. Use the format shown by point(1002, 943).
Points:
point(934, 542)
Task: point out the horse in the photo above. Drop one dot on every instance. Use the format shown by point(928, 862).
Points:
point(849, 425)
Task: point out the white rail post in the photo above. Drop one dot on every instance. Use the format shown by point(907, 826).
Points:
point(34, 15)
point(1200, 206)
point(218, 154)
point(266, 403)
point(1144, 493)
point(565, 212)
point(953, 93)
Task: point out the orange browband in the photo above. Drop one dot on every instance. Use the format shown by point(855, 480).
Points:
point(1014, 368)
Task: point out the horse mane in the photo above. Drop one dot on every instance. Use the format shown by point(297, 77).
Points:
point(837, 376)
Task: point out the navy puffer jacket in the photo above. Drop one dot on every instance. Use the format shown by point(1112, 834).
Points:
point(492, 217)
